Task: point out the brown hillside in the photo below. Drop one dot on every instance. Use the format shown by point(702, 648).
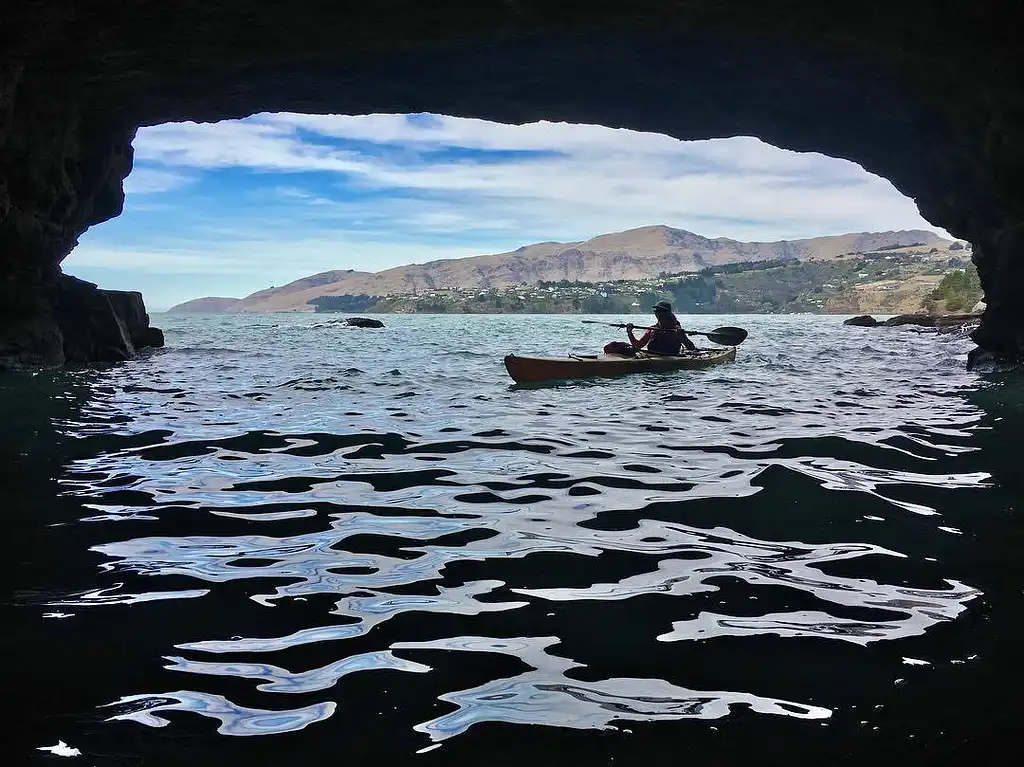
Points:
point(633, 254)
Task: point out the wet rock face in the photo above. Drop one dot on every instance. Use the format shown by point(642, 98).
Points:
point(1000, 262)
point(928, 95)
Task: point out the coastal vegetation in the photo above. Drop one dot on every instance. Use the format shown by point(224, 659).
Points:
point(960, 290)
point(896, 281)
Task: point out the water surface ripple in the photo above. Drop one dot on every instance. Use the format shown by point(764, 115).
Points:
point(294, 528)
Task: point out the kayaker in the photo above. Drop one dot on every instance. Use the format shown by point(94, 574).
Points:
point(666, 336)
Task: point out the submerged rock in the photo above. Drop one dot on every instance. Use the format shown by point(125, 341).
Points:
point(363, 322)
point(863, 321)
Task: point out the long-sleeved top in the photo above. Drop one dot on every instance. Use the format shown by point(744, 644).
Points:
point(666, 340)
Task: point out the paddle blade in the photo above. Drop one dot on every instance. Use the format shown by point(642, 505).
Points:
point(727, 336)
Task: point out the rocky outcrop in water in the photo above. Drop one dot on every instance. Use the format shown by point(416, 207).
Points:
point(932, 320)
point(928, 95)
point(87, 325)
point(921, 320)
point(862, 321)
point(102, 325)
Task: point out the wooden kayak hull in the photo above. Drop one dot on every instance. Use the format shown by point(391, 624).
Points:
point(540, 369)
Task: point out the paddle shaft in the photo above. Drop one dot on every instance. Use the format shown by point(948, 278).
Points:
point(655, 328)
point(726, 336)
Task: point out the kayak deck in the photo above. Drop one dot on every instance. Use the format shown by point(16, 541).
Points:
point(539, 369)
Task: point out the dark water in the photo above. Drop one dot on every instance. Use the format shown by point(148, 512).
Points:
point(280, 541)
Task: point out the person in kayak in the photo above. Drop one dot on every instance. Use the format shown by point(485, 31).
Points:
point(666, 336)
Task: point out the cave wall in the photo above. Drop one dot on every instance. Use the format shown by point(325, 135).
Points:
point(926, 94)
point(62, 175)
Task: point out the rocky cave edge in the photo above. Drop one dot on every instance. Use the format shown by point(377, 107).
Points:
point(926, 93)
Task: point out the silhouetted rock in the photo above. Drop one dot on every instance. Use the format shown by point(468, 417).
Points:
point(83, 324)
point(131, 310)
point(151, 337)
point(364, 322)
point(863, 321)
point(89, 324)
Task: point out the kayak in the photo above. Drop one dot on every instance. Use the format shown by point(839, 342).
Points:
point(537, 369)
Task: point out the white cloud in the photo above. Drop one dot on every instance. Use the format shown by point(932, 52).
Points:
point(153, 180)
point(276, 260)
point(156, 261)
point(589, 179)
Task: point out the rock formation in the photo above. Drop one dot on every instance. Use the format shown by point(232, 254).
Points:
point(931, 320)
point(85, 325)
point(363, 322)
point(862, 321)
point(922, 320)
point(928, 95)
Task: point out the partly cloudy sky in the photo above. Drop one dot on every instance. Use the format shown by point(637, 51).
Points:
point(233, 207)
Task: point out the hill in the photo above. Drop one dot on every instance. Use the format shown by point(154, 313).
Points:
point(210, 305)
point(885, 282)
point(641, 253)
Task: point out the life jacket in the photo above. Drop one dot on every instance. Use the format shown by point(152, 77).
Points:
point(664, 341)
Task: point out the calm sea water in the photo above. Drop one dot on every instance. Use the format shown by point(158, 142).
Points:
point(284, 541)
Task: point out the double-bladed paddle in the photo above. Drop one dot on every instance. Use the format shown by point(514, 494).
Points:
point(725, 336)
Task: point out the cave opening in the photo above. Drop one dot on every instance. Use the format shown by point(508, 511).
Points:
point(222, 210)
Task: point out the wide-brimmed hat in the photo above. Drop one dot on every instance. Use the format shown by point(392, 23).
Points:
point(662, 306)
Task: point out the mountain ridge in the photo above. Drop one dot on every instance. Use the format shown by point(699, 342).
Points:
point(638, 253)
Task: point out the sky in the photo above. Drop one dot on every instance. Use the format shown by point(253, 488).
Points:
point(225, 209)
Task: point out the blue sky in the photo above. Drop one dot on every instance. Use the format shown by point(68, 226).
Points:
point(233, 207)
